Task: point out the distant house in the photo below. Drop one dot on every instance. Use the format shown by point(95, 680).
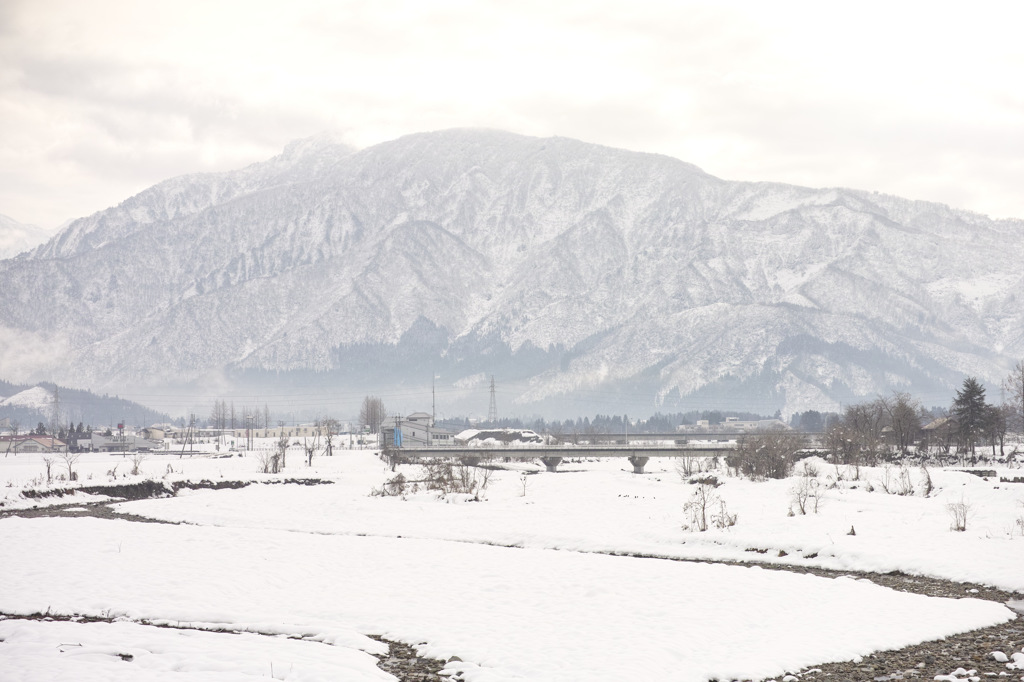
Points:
point(31, 443)
point(153, 433)
point(940, 432)
point(415, 431)
point(734, 425)
point(294, 431)
point(128, 443)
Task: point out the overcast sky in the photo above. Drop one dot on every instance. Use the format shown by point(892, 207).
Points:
point(101, 99)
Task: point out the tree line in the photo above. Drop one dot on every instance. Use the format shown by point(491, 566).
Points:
point(898, 423)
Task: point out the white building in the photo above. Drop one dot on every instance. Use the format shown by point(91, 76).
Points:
point(415, 431)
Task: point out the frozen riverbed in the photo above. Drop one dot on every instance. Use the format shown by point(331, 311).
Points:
point(332, 564)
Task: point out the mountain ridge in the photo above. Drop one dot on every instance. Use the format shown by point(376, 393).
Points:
point(602, 265)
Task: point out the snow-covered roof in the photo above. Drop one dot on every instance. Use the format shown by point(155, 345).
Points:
point(503, 436)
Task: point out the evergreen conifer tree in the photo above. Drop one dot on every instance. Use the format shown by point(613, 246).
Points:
point(971, 412)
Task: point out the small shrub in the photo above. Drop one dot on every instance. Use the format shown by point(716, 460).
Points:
point(886, 481)
point(687, 466)
point(959, 512)
point(904, 486)
point(768, 454)
point(700, 509)
point(927, 487)
point(898, 484)
point(707, 479)
point(446, 478)
point(396, 486)
point(806, 494)
point(723, 519)
point(270, 461)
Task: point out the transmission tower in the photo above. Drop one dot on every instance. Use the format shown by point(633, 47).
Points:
point(492, 411)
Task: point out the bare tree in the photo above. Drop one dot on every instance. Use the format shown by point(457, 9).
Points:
point(311, 447)
point(701, 511)
point(903, 415)
point(997, 421)
point(282, 451)
point(1013, 384)
point(864, 424)
point(806, 491)
point(330, 428)
point(268, 460)
point(219, 415)
point(766, 454)
point(857, 438)
point(372, 413)
point(70, 459)
point(696, 508)
point(15, 429)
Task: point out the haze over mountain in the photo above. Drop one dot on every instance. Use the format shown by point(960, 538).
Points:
point(26, 406)
point(18, 237)
point(583, 277)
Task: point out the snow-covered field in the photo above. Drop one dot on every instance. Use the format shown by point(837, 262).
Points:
point(520, 585)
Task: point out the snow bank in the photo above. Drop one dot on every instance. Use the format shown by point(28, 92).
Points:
point(39, 651)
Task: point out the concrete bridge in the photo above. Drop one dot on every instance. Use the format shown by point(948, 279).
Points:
point(552, 455)
point(813, 438)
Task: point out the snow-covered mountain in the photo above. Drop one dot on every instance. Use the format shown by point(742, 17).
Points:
point(29, 405)
point(17, 237)
point(577, 274)
point(35, 398)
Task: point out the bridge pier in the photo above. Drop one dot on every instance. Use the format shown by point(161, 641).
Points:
point(551, 462)
point(470, 461)
point(638, 463)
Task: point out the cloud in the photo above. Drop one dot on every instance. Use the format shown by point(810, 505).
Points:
point(100, 100)
point(27, 357)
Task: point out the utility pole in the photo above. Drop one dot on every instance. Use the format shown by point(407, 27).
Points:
point(396, 434)
point(188, 436)
point(55, 418)
point(492, 411)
